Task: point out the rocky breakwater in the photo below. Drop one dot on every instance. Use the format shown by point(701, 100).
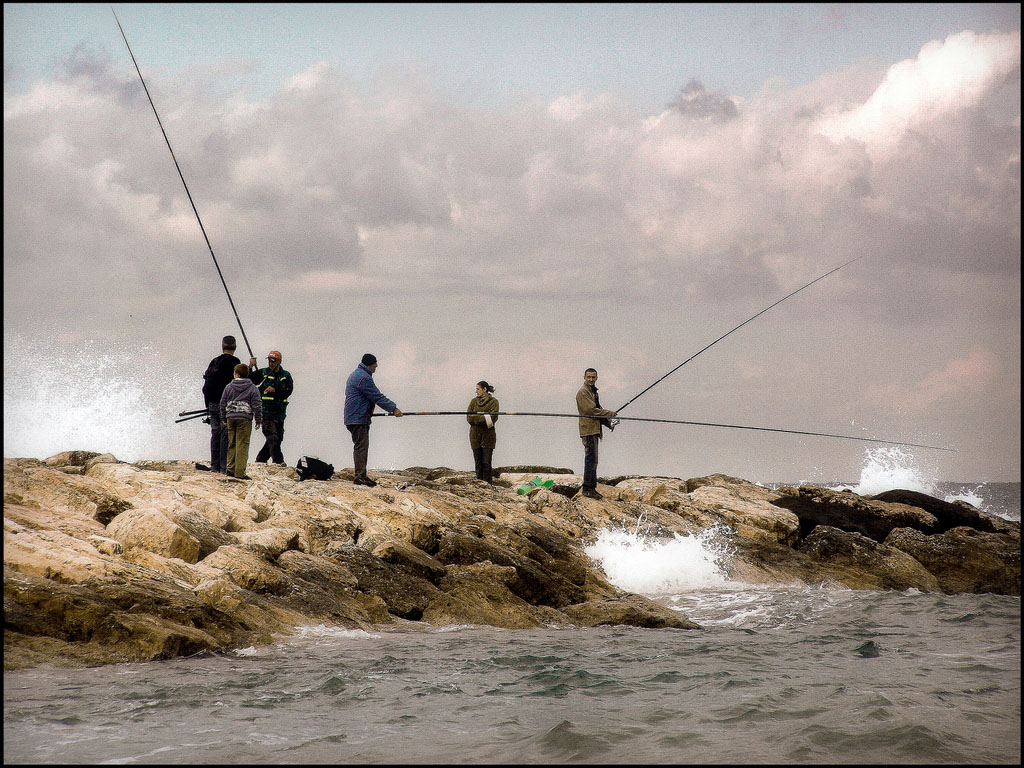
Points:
point(106, 561)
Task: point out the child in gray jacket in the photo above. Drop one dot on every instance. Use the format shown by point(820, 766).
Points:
point(240, 404)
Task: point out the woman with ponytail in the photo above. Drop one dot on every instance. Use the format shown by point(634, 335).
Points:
point(481, 415)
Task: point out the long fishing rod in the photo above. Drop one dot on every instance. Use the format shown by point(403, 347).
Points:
point(808, 285)
point(683, 421)
point(187, 192)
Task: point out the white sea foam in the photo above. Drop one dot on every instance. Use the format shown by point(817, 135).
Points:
point(321, 630)
point(970, 495)
point(98, 397)
point(889, 467)
point(661, 566)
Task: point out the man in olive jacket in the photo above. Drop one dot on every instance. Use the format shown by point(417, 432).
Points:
point(275, 385)
point(592, 416)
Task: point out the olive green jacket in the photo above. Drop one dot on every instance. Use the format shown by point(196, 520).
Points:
point(480, 435)
point(590, 414)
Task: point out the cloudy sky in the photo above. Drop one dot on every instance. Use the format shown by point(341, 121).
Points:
point(515, 193)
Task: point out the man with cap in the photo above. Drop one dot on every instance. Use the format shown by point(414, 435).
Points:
point(361, 395)
point(218, 375)
point(275, 385)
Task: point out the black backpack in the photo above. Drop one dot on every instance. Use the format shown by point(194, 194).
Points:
point(311, 468)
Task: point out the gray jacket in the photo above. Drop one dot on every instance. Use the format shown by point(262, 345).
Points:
point(241, 400)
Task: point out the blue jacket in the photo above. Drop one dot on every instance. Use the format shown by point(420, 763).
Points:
point(361, 394)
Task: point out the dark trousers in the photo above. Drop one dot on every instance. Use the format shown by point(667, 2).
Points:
point(360, 448)
point(482, 459)
point(590, 444)
point(274, 432)
point(218, 439)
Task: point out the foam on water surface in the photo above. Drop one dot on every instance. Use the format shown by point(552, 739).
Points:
point(661, 566)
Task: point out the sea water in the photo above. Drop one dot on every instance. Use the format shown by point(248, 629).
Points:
point(782, 674)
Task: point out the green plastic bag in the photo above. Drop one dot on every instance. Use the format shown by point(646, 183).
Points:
point(535, 483)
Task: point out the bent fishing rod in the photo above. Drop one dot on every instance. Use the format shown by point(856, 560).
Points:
point(182, 177)
point(679, 421)
point(808, 285)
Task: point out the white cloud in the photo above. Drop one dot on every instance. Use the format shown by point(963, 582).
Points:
point(524, 243)
point(945, 79)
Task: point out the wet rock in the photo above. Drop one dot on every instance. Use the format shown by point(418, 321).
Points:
point(152, 559)
point(631, 610)
point(964, 559)
point(863, 563)
point(950, 514)
point(849, 512)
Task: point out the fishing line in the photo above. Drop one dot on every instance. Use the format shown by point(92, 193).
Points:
point(683, 421)
point(187, 192)
point(808, 285)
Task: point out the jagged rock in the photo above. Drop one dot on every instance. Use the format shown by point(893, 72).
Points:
point(269, 542)
point(849, 512)
point(103, 458)
point(153, 531)
point(480, 594)
point(418, 561)
point(863, 563)
point(129, 562)
point(718, 500)
point(632, 610)
point(963, 559)
point(950, 514)
point(248, 570)
point(566, 484)
point(105, 545)
point(209, 536)
point(532, 469)
point(70, 458)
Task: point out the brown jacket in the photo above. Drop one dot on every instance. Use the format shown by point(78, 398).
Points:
point(586, 406)
point(480, 435)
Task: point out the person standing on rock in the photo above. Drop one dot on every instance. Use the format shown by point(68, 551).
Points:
point(361, 395)
point(275, 385)
point(218, 375)
point(592, 416)
point(481, 415)
point(240, 405)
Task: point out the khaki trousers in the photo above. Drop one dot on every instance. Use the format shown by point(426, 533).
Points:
point(239, 432)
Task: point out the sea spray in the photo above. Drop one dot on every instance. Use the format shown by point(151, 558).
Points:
point(661, 566)
point(890, 467)
point(100, 396)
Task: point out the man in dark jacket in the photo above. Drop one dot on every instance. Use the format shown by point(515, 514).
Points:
point(275, 384)
point(361, 394)
point(218, 375)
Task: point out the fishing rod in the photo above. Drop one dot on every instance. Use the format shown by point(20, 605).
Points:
point(198, 415)
point(808, 285)
point(192, 413)
point(681, 421)
point(187, 192)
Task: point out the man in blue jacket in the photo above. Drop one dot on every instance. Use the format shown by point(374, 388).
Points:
point(361, 394)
